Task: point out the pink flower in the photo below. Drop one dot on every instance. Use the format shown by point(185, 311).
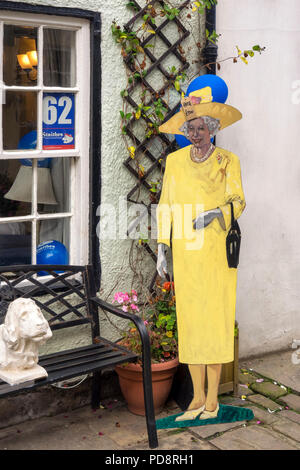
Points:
point(134, 298)
point(118, 297)
point(145, 322)
point(125, 297)
point(134, 307)
point(134, 291)
point(125, 308)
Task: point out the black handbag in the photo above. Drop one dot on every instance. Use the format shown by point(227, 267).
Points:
point(233, 242)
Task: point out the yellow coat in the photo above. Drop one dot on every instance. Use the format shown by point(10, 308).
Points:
point(205, 287)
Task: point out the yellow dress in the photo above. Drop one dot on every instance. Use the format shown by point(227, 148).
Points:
point(205, 287)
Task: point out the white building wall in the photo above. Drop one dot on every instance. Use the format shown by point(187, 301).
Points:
point(267, 92)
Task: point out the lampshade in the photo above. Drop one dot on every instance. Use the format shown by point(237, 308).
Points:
point(24, 61)
point(22, 186)
point(32, 55)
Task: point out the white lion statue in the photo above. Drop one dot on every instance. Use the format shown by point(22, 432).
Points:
point(21, 334)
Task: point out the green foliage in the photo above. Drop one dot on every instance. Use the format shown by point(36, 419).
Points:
point(154, 185)
point(170, 13)
point(160, 320)
point(132, 5)
point(201, 5)
point(159, 109)
point(212, 37)
point(127, 39)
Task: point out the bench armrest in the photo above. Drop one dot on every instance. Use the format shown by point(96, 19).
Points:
point(146, 352)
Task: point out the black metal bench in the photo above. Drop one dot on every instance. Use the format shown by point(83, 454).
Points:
point(52, 296)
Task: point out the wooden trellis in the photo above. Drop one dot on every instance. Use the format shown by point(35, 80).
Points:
point(155, 65)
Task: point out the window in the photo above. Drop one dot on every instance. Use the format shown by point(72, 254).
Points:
point(44, 139)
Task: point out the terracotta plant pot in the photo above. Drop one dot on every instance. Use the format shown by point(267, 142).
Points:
point(131, 384)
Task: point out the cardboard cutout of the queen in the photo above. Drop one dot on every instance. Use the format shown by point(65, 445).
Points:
point(200, 182)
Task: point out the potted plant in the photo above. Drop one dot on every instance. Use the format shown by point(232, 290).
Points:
point(160, 320)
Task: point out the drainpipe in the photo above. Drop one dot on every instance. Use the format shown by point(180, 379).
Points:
point(210, 51)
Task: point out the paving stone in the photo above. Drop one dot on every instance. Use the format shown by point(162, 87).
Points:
point(212, 429)
point(178, 441)
point(244, 390)
point(254, 437)
point(263, 415)
point(234, 401)
point(288, 428)
point(268, 389)
point(278, 367)
point(265, 402)
point(246, 378)
point(288, 414)
point(63, 432)
point(293, 401)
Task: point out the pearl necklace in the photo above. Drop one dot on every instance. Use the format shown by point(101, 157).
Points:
point(204, 157)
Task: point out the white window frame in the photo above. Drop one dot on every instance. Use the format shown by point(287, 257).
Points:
point(79, 168)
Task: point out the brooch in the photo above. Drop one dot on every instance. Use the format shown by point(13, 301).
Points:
point(219, 158)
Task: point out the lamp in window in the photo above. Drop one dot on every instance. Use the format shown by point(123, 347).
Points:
point(21, 189)
point(28, 62)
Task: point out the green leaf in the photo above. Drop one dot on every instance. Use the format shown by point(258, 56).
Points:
point(122, 114)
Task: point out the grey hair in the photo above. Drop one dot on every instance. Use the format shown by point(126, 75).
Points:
point(212, 124)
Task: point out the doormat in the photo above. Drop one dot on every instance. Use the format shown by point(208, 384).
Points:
point(226, 414)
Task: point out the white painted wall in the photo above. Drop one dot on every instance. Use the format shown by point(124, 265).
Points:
point(267, 142)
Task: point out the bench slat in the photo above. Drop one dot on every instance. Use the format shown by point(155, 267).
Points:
point(73, 363)
point(76, 362)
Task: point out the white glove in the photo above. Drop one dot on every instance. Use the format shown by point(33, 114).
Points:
point(161, 265)
point(206, 218)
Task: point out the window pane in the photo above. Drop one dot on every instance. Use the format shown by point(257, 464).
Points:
point(15, 189)
point(59, 67)
point(53, 242)
point(54, 185)
point(20, 56)
point(15, 243)
point(19, 120)
point(58, 121)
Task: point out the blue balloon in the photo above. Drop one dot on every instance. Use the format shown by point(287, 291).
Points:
point(218, 86)
point(51, 252)
point(182, 141)
point(28, 141)
point(42, 162)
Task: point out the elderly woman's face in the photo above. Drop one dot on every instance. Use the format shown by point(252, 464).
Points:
point(198, 133)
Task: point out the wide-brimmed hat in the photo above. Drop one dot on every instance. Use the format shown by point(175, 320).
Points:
point(200, 103)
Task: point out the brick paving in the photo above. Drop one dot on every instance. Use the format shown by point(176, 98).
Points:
point(276, 423)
